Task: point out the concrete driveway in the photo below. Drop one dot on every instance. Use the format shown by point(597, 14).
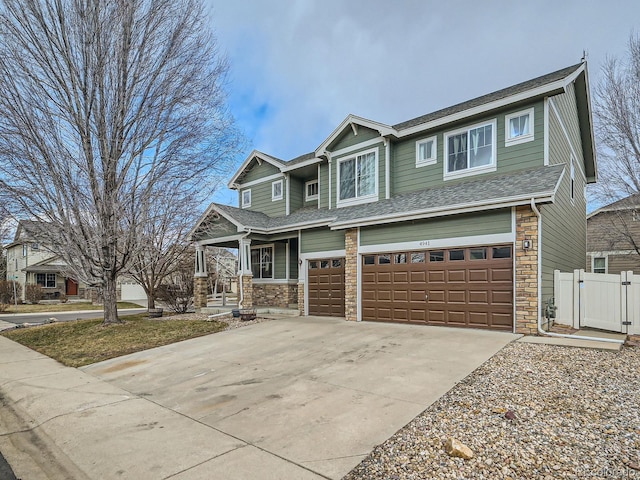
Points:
point(308, 396)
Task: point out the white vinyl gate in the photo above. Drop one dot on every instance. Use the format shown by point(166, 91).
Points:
point(597, 300)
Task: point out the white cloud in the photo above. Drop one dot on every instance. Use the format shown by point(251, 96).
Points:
point(299, 67)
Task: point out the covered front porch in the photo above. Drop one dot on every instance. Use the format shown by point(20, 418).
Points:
point(266, 273)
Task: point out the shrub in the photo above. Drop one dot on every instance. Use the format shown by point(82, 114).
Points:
point(4, 307)
point(178, 298)
point(6, 291)
point(33, 293)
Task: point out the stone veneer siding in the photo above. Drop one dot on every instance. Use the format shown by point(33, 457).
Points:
point(351, 275)
point(247, 290)
point(279, 295)
point(200, 292)
point(526, 272)
point(301, 298)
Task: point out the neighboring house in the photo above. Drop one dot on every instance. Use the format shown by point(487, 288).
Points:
point(613, 237)
point(458, 217)
point(30, 262)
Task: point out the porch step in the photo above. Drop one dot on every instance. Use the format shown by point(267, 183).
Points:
point(289, 312)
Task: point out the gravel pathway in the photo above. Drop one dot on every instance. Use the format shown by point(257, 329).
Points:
point(575, 413)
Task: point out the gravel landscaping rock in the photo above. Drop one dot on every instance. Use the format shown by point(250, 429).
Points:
point(530, 412)
point(228, 319)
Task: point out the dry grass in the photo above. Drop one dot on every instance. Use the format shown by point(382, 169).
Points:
point(63, 307)
point(84, 342)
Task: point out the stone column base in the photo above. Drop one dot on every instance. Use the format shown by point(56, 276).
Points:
point(200, 292)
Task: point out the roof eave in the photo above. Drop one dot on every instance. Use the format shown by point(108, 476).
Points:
point(233, 185)
point(541, 197)
point(381, 128)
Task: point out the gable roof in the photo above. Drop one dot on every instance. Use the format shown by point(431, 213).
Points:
point(518, 188)
point(632, 202)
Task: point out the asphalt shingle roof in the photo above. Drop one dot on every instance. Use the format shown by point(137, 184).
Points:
point(491, 97)
point(481, 192)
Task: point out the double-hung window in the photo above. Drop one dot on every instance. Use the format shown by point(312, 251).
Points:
point(470, 150)
point(262, 262)
point(357, 178)
point(246, 198)
point(518, 127)
point(311, 190)
point(426, 151)
point(276, 191)
point(599, 265)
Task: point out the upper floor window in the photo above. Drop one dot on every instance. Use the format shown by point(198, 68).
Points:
point(35, 246)
point(518, 127)
point(470, 150)
point(426, 151)
point(357, 178)
point(573, 181)
point(276, 190)
point(311, 190)
point(262, 262)
point(246, 198)
point(24, 250)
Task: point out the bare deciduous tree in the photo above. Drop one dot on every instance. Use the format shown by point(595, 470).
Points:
point(106, 103)
point(617, 114)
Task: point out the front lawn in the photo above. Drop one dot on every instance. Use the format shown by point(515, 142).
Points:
point(83, 342)
point(63, 307)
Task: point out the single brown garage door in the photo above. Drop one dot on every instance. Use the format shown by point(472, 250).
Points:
point(466, 287)
point(326, 287)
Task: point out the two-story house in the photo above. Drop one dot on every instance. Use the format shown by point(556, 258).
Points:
point(458, 217)
point(30, 262)
point(613, 237)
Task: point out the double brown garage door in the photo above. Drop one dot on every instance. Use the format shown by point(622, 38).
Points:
point(467, 287)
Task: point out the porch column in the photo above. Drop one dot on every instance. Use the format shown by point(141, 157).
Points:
point(245, 277)
point(351, 275)
point(200, 278)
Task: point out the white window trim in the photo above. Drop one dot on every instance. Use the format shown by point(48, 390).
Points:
point(308, 198)
point(275, 197)
point(508, 140)
point(357, 200)
point(606, 263)
point(474, 170)
point(572, 180)
point(246, 204)
point(273, 259)
point(431, 160)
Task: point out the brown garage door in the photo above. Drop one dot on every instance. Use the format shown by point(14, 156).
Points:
point(466, 287)
point(326, 287)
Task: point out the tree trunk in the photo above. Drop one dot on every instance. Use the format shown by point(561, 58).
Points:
point(151, 300)
point(110, 302)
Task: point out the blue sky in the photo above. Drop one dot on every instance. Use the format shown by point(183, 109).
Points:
point(298, 68)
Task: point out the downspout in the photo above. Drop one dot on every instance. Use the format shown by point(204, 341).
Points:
point(541, 331)
point(242, 266)
point(329, 161)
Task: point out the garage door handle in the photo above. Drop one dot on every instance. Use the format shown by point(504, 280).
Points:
point(426, 296)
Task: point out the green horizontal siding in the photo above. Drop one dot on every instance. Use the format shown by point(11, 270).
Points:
point(261, 200)
point(324, 186)
point(219, 228)
point(348, 139)
point(564, 224)
point(256, 172)
point(293, 258)
point(486, 223)
point(320, 240)
point(280, 260)
point(296, 193)
point(406, 177)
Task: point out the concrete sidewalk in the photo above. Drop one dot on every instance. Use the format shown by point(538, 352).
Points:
point(295, 398)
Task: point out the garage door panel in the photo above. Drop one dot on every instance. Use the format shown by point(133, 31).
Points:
point(457, 296)
point(458, 317)
point(502, 275)
point(479, 319)
point(437, 296)
point(503, 320)
point(501, 297)
point(418, 295)
point(400, 278)
point(368, 277)
point(437, 276)
point(479, 275)
point(400, 296)
point(384, 295)
point(479, 297)
point(400, 314)
point(419, 315)
point(418, 277)
point(456, 276)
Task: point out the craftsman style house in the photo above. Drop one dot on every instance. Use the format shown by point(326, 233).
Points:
point(458, 217)
point(613, 237)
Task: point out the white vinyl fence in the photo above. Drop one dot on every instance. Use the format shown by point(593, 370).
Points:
point(597, 300)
